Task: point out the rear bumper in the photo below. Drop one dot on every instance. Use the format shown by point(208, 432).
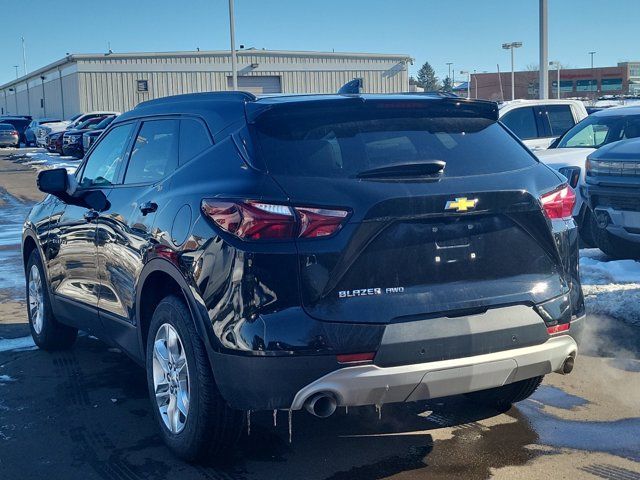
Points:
point(251, 382)
point(373, 385)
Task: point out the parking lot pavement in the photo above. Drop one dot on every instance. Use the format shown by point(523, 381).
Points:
point(85, 413)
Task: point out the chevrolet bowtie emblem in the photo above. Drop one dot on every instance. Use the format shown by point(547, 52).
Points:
point(461, 204)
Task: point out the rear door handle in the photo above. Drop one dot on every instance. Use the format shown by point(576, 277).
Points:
point(148, 207)
point(91, 215)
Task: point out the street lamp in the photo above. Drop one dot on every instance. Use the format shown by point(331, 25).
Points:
point(449, 76)
point(592, 74)
point(557, 65)
point(468, 74)
point(232, 34)
point(511, 46)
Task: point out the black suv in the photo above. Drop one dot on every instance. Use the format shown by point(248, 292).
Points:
point(308, 251)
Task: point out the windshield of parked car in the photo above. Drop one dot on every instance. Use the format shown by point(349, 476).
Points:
point(342, 141)
point(104, 123)
point(598, 130)
point(90, 123)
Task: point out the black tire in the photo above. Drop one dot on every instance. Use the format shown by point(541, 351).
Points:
point(53, 335)
point(503, 397)
point(614, 246)
point(585, 229)
point(212, 428)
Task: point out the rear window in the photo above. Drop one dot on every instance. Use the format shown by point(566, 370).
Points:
point(18, 124)
point(344, 141)
point(560, 119)
point(6, 126)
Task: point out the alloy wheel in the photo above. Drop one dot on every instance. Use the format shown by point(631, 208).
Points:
point(36, 299)
point(171, 378)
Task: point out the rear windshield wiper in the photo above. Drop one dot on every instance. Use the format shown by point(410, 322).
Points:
point(404, 170)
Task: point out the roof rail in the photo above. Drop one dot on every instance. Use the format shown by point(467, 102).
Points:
point(232, 95)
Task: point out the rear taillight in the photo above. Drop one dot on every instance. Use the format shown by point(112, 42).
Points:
point(14, 132)
point(562, 327)
point(266, 221)
point(559, 203)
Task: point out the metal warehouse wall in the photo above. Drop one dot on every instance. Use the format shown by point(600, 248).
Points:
point(82, 83)
point(44, 98)
point(111, 83)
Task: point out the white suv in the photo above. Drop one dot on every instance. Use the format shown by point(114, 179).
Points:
point(539, 122)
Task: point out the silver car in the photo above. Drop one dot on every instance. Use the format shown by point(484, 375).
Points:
point(9, 136)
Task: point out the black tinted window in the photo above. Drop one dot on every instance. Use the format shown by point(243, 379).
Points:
point(104, 162)
point(154, 153)
point(345, 141)
point(6, 126)
point(522, 122)
point(560, 119)
point(194, 139)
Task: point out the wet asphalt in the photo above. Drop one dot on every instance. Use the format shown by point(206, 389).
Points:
point(85, 414)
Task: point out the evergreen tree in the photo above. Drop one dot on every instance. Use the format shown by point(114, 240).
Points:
point(447, 85)
point(427, 78)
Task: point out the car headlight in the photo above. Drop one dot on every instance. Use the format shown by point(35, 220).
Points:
point(610, 168)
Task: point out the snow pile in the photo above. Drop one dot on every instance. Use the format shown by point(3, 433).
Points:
point(611, 287)
point(41, 160)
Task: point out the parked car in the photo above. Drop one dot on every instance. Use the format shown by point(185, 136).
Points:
point(9, 136)
point(569, 153)
point(539, 122)
point(613, 194)
point(89, 137)
point(308, 252)
point(54, 142)
point(44, 130)
point(72, 139)
point(20, 124)
point(30, 132)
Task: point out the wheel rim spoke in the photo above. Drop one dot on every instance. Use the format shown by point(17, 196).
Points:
point(171, 378)
point(36, 299)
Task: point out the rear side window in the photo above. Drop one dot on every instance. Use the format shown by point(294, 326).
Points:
point(560, 119)
point(194, 139)
point(522, 122)
point(154, 153)
point(344, 141)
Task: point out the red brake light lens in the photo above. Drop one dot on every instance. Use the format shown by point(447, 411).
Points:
point(266, 221)
point(562, 327)
point(356, 357)
point(319, 222)
point(559, 203)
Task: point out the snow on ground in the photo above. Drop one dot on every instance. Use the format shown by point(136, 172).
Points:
point(611, 287)
point(41, 160)
point(19, 344)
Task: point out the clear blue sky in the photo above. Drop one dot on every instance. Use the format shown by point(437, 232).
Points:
point(468, 33)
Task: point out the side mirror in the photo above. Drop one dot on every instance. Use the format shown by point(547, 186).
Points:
point(54, 181)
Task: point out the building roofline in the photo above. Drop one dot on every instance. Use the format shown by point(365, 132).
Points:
point(74, 57)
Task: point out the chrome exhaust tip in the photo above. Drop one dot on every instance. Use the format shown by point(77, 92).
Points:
point(322, 405)
point(567, 366)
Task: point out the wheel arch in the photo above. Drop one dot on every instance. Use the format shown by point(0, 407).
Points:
point(158, 279)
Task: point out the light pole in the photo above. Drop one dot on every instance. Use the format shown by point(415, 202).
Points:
point(557, 65)
point(232, 32)
point(468, 74)
point(593, 74)
point(511, 46)
point(449, 65)
point(543, 74)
